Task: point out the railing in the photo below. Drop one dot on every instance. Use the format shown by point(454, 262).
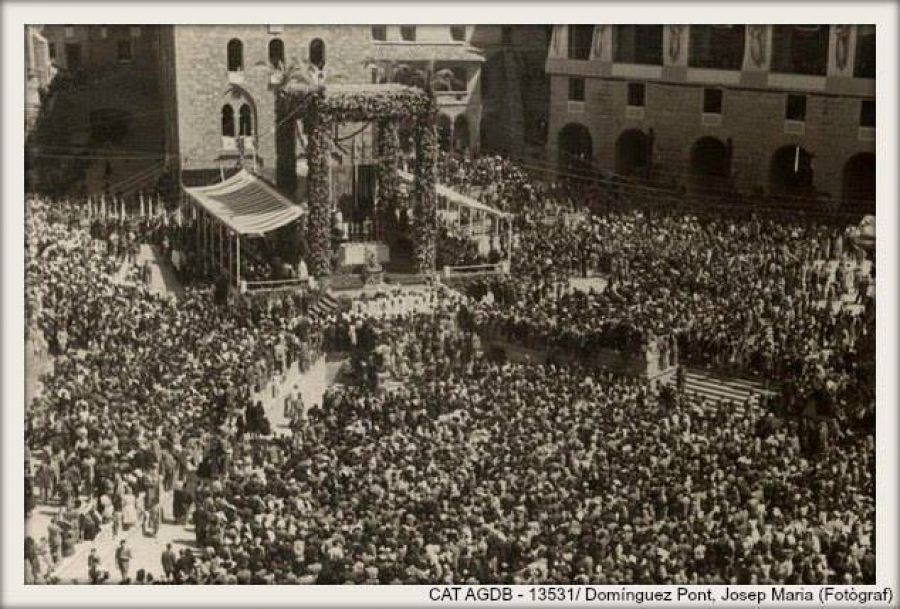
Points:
point(271, 285)
point(476, 269)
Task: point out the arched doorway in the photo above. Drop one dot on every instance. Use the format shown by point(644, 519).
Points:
point(576, 150)
point(633, 153)
point(859, 181)
point(710, 164)
point(445, 130)
point(461, 134)
point(791, 171)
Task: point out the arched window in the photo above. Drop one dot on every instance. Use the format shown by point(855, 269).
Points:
point(235, 55)
point(227, 121)
point(317, 53)
point(276, 53)
point(246, 120)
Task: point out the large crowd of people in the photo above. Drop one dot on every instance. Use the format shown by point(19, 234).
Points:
point(466, 469)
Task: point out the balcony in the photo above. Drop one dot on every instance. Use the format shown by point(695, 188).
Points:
point(451, 98)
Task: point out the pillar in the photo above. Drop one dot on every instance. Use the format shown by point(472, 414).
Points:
point(318, 187)
point(388, 182)
point(425, 194)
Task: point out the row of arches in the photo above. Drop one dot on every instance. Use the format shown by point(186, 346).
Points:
point(235, 54)
point(791, 170)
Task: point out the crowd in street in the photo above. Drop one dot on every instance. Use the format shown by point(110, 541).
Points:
point(469, 470)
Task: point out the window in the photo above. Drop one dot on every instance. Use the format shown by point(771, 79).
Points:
point(580, 38)
point(864, 64)
point(379, 32)
point(718, 47)
point(317, 53)
point(796, 108)
point(276, 53)
point(123, 51)
point(458, 32)
point(636, 94)
point(245, 120)
point(800, 49)
point(408, 33)
point(51, 50)
point(712, 101)
point(70, 31)
point(73, 56)
point(506, 35)
point(867, 113)
point(641, 44)
point(227, 121)
point(235, 55)
point(576, 89)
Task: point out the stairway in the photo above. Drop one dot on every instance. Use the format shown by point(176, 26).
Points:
point(716, 388)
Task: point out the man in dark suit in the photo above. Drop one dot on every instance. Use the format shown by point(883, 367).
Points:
point(168, 559)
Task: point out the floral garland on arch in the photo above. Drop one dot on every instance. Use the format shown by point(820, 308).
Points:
point(425, 206)
point(321, 107)
point(388, 188)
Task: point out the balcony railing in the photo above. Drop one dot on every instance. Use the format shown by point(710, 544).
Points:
point(451, 97)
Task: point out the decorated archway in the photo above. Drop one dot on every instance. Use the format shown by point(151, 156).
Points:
point(319, 108)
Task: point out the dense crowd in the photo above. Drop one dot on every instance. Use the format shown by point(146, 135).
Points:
point(141, 386)
point(465, 469)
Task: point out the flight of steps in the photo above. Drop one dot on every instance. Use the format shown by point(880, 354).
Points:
point(716, 388)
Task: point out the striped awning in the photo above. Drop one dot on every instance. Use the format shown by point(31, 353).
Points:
point(246, 204)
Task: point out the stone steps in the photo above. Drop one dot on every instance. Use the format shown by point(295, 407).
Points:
point(717, 388)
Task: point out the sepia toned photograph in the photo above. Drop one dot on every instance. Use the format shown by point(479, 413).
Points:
point(450, 304)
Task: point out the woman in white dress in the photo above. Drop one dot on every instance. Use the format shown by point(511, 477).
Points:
point(129, 508)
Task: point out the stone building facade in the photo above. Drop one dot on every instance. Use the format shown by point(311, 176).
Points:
point(221, 83)
point(515, 89)
point(785, 111)
point(97, 124)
